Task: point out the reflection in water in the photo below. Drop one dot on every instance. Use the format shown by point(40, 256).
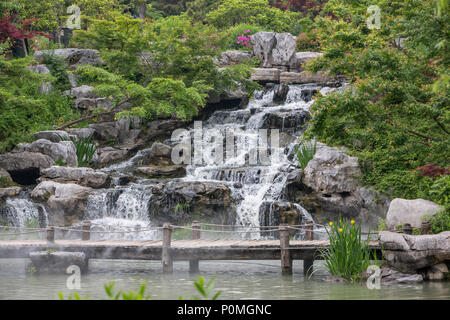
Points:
point(237, 280)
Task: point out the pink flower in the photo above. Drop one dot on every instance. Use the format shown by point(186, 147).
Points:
point(184, 36)
point(246, 31)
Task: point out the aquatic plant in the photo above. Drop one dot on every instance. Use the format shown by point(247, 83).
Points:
point(205, 290)
point(348, 255)
point(305, 153)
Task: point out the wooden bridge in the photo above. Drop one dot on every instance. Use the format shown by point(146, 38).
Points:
point(168, 250)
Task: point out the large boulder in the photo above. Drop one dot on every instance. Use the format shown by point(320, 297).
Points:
point(332, 171)
point(74, 57)
point(292, 120)
point(108, 155)
point(24, 167)
point(182, 201)
point(5, 176)
point(330, 187)
point(52, 135)
point(403, 211)
point(64, 150)
point(263, 44)
point(274, 49)
point(45, 87)
point(65, 203)
point(303, 57)
point(159, 154)
point(411, 254)
point(83, 176)
point(81, 133)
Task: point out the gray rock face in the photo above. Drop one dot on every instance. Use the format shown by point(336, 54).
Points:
point(157, 172)
point(437, 272)
point(81, 133)
point(24, 160)
point(40, 69)
point(105, 131)
point(65, 202)
point(409, 253)
point(74, 57)
point(180, 202)
point(332, 171)
point(285, 120)
point(108, 155)
point(64, 150)
point(58, 261)
point(391, 276)
point(86, 99)
point(159, 154)
point(409, 211)
point(51, 135)
point(283, 54)
point(263, 44)
point(231, 57)
point(83, 176)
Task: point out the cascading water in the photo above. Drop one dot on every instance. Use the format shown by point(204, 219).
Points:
point(257, 188)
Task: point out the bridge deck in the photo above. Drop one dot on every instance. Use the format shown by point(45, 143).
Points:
point(180, 249)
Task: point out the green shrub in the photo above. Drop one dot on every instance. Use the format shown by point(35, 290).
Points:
point(348, 255)
point(256, 12)
point(58, 70)
point(440, 222)
point(305, 153)
point(307, 42)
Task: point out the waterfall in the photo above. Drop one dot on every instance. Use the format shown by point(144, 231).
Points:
point(21, 212)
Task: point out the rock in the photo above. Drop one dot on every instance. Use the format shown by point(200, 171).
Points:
point(280, 94)
point(83, 176)
point(305, 77)
point(285, 120)
point(391, 276)
point(409, 253)
point(74, 57)
point(231, 57)
point(24, 167)
point(83, 91)
point(274, 213)
point(409, 211)
point(159, 154)
point(65, 202)
point(52, 135)
point(108, 155)
point(182, 201)
point(176, 171)
point(416, 278)
point(105, 131)
point(265, 75)
point(81, 133)
point(263, 44)
point(9, 192)
point(437, 272)
point(40, 69)
point(283, 54)
point(64, 150)
point(45, 87)
point(332, 171)
point(4, 175)
point(58, 261)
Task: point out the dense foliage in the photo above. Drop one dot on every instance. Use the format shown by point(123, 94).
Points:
point(23, 109)
point(395, 114)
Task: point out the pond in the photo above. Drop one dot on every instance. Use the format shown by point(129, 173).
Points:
point(236, 280)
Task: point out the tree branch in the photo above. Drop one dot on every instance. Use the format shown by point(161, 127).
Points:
point(440, 125)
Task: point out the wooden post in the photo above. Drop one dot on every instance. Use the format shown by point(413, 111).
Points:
point(309, 235)
point(196, 234)
point(407, 229)
point(166, 257)
point(50, 234)
point(286, 261)
point(86, 234)
point(425, 228)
